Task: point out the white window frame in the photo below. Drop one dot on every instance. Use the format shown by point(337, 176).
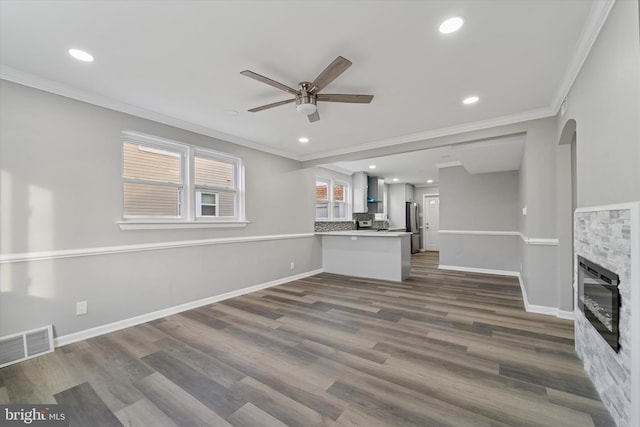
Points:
point(331, 202)
point(347, 197)
point(199, 204)
point(188, 215)
point(327, 200)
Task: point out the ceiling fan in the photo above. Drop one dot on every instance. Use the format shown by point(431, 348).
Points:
point(306, 96)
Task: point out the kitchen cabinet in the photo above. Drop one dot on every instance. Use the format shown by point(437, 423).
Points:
point(359, 182)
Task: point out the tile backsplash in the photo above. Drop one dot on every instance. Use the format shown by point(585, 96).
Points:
point(321, 226)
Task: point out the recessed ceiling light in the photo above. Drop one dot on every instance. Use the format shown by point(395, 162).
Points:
point(81, 55)
point(372, 166)
point(470, 100)
point(395, 179)
point(451, 25)
point(429, 181)
point(303, 140)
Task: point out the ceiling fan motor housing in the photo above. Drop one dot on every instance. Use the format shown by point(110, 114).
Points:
point(306, 101)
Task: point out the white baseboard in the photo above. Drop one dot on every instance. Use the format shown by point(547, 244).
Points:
point(478, 270)
point(550, 311)
point(530, 308)
point(132, 321)
point(542, 309)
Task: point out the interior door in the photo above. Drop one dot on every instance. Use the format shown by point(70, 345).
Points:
point(431, 223)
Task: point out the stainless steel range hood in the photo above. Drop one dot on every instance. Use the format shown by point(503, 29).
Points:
point(375, 194)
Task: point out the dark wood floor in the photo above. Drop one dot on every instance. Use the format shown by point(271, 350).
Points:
point(440, 349)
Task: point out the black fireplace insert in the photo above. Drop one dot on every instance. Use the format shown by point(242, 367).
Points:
point(599, 299)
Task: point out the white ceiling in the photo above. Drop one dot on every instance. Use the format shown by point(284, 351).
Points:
point(179, 62)
point(416, 167)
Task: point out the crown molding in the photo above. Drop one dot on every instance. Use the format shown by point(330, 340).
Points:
point(449, 164)
point(335, 168)
point(596, 19)
point(36, 82)
point(540, 113)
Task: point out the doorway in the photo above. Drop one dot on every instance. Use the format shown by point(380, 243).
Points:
point(431, 222)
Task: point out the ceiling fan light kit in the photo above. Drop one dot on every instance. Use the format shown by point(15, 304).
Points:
point(306, 97)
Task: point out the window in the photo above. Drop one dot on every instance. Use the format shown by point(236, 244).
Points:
point(215, 186)
point(331, 200)
point(322, 199)
point(171, 182)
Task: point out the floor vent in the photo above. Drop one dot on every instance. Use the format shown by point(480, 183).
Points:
point(25, 345)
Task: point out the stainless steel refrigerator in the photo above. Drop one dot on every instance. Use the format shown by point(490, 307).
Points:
point(413, 225)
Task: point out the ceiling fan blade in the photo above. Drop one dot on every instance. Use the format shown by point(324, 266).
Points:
point(314, 117)
point(345, 97)
point(268, 81)
point(330, 73)
point(275, 104)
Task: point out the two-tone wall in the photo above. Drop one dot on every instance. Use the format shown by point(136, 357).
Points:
point(479, 220)
point(61, 198)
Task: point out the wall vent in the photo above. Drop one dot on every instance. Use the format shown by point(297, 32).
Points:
point(25, 345)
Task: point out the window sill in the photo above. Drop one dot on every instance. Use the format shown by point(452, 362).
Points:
point(172, 225)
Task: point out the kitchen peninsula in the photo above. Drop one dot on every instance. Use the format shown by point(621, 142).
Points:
point(372, 254)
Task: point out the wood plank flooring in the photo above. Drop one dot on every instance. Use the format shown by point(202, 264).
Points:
point(440, 349)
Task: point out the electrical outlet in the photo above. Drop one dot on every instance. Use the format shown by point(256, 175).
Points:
point(293, 265)
point(81, 308)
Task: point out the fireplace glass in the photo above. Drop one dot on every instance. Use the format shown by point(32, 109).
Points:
point(599, 299)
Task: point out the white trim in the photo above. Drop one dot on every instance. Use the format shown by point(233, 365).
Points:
point(168, 225)
point(530, 308)
point(104, 250)
point(478, 270)
point(538, 241)
point(564, 314)
point(437, 133)
point(31, 80)
point(480, 232)
point(549, 311)
point(525, 298)
point(449, 164)
point(132, 321)
point(596, 19)
point(542, 309)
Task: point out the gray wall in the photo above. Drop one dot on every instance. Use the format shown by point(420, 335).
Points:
point(483, 202)
point(604, 108)
point(538, 175)
point(479, 203)
point(605, 103)
point(61, 190)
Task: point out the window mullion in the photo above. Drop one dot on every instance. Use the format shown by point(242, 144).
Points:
point(189, 192)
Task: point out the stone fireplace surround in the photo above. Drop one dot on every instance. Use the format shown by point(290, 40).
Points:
point(609, 236)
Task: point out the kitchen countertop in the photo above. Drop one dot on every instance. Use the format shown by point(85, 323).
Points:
point(365, 233)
